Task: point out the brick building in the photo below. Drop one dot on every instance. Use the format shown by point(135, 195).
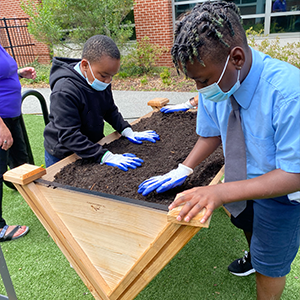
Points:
point(12, 9)
point(156, 18)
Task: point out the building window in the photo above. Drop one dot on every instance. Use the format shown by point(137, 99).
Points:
point(271, 16)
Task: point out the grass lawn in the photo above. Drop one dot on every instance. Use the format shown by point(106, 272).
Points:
point(39, 270)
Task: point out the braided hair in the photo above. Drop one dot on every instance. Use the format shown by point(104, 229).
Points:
point(209, 31)
point(97, 46)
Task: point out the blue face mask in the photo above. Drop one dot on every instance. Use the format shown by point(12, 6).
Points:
point(96, 84)
point(214, 93)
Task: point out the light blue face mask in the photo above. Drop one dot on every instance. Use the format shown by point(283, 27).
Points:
point(96, 84)
point(214, 93)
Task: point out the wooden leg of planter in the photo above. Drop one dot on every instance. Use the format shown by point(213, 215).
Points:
point(20, 176)
point(63, 238)
point(172, 239)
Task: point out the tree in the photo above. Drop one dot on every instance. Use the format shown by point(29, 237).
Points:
point(54, 21)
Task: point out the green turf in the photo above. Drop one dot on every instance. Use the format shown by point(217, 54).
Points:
point(39, 270)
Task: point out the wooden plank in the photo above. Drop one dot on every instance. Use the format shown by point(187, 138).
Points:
point(24, 174)
point(124, 233)
point(158, 103)
point(166, 233)
point(54, 169)
point(105, 211)
point(218, 177)
point(177, 241)
point(173, 214)
point(62, 237)
point(227, 211)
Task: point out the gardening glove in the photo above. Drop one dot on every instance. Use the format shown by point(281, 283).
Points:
point(122, 161)
point(137, 137)
point(165, 182)
point(178, 107)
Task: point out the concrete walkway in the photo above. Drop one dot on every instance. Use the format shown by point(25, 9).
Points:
point(132, 105)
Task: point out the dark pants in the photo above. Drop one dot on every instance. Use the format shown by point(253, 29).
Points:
point(50, 159)
point(14, 157)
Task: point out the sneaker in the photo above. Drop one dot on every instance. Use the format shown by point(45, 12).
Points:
point(242, 266)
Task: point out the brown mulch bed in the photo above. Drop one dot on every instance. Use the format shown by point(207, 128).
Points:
point(177, 138)
point(178, 83)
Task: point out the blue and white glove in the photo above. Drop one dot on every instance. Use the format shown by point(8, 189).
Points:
point(137, 137)
point(122, 161)
point(165, 182)
point(178, 107)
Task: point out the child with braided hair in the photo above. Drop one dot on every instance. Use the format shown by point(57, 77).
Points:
point(210, 46)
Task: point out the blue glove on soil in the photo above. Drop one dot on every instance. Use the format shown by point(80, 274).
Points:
point(178, 107)
point(122, 161)
point(137, 137)
point(165, 182)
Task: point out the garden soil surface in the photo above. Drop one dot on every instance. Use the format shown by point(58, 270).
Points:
point(177, 133)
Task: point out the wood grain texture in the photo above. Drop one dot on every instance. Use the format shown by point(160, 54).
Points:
point(158, 103)
point(24, 174)
point(173, 214)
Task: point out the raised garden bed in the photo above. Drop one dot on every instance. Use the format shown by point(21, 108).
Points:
point(117, 243)
point(177, 138)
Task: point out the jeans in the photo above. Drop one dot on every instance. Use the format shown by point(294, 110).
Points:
point(50, 159)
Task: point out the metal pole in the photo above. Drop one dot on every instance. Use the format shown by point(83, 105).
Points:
point(6, 279)
point(9, 40)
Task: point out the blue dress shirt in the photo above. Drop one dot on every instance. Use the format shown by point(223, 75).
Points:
point(270, 111)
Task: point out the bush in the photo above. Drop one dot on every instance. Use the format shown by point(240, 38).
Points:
point(122, 75)
point(289, 52)
point(142, 58)
point(144, 80)
point(165, 76)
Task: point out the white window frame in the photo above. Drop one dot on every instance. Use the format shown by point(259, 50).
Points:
point(267, 16)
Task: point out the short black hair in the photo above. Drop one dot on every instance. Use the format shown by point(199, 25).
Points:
point(209, 31)
point(97, 46)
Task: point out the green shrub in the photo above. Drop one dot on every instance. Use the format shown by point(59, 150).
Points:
point(289, 52)
point(142, 58)
point(165, 76)
point(122, 75)
point(144, 80)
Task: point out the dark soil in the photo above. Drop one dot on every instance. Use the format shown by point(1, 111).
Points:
point(177, 138)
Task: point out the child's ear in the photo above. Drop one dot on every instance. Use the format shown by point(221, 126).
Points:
point(84, 64)
point(237, 57)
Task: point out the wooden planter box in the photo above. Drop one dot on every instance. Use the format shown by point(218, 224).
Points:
point(116, 245)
